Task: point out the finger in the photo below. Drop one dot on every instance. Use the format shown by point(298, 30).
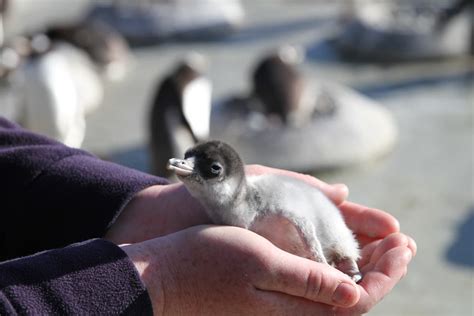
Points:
point(412, 245)
point(275, 303)
point(364, 240)
point(366, 221)
point(389, 242)
point(377, 283)
point(336, 193)
point(366, 253)
point(307, 279)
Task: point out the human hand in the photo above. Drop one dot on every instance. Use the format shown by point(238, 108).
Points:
point(385, 253)
point(370, 225)
point(229, 270)
point(157, 211)
point(337, 193)
point(164, 209)
point(383, 264)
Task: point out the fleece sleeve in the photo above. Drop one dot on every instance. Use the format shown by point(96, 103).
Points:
point(89, 278)
point(53, 195)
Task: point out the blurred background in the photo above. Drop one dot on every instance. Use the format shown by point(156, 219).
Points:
point(377, 94)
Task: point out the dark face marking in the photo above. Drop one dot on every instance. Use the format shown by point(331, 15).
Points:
point(215, 160)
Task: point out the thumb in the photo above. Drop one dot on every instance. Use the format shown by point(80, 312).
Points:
point(311, 280)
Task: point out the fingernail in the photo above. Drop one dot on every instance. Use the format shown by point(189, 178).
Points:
point(408, 255)
point(339, 192)
point(341, 187)
point(396, 223)
point(345, 294)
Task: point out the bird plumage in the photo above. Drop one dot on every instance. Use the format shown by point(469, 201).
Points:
point(292, 214)
point(180, 114)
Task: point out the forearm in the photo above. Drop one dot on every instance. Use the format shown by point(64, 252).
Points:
point(93, 278)
point(157, 211)
point(53, 195)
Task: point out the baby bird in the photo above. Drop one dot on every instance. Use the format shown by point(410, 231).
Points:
point(290, 213)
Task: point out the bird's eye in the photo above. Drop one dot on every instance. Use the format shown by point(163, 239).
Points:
point(216, 168)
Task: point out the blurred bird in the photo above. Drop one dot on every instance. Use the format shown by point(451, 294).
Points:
point(295, 122)
point(180, 112)
point(277, 84)
point(106, 47)
point(281, 93)
point(57, 85)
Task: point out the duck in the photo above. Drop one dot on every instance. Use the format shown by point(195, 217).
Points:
point(180, 112)
point(290, 121)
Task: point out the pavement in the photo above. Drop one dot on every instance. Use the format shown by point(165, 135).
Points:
point(426, 182)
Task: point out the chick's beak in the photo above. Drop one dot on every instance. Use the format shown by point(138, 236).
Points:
point(182, 167)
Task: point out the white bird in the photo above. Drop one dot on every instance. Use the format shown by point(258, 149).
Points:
point(292, 214)
point(58, 87)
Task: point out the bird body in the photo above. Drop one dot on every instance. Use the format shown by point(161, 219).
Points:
point(293, 121)
point(292, 214)
point(57, 88)
point(180, 114)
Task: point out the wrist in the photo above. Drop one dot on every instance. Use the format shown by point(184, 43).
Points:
point(146, 260)
point(156, 211)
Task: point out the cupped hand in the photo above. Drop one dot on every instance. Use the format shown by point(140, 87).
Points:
point(157, 211)
point(383, 264)
point(228, 270)
point(164, 209)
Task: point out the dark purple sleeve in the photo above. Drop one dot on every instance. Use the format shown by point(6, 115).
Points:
point(52, 196)
point(68, 282)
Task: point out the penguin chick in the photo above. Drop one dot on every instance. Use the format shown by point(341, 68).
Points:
point(292, 214)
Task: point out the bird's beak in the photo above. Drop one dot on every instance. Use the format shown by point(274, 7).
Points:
point(182, 167)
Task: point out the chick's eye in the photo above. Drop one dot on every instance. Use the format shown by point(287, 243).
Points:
point(216, 168)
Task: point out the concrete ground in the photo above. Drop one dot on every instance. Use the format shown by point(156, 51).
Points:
point(426, 182)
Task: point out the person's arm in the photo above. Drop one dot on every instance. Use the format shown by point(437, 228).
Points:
point(90, 278)
point(53, 195)
point(184, 267)
point(228, 270)
point(182, 271)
